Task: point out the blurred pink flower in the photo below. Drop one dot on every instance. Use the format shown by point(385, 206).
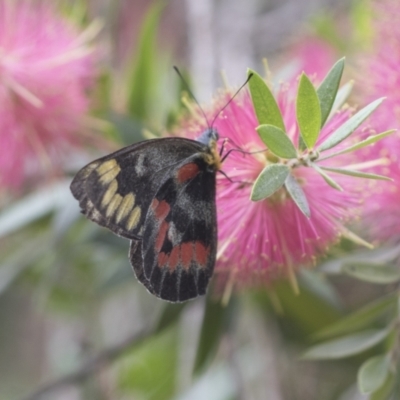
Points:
point(314, 56)
point(382, 63)
point(45, 71)
point(260, 241)
point(383, 72)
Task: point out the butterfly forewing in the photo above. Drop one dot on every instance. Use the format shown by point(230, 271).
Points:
point(115, 191)
point(179, 240)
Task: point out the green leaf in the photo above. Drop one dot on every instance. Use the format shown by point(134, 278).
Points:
point(341, 97)
point(169, 315)
point(214, 321)
point(143, 75)
point(277, 141)
point(308, 111)
point(318, 284)
point(357, 174)
point(396, 386)
point(297, 194)
point(346, 346)
point(363, 143)
point(373, 272)
point(373, 373)
point(350, 235)
point(152, 360)
point(265, 105)
point(269, 181)
point(386, 390)
point(349, 126)
point(382, 255)
point(35, 206)
point(327, 178)
point(328, 89)
point(360, 318)
point(303, 313)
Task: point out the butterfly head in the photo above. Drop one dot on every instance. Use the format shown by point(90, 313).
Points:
point(208, 137)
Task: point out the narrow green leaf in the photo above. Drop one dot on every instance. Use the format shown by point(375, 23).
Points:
point(143, 77)
point(215, 320)
point(328, 89)
point(264, 102)
point(382, 255)
point(350, 235)
point(306, 311)
point(302, 146)
point(308, 111)
point(169, 315)
point(349, 126)
point(346, 346)
point(297, 194)
point(341, 97)
point(277, 141)
point(360, 318)
point(269, 181)
point(363, 143)
point(373, 272)
point(357, 174)
point(316, 282)
point(327, 178)
point(373, 373)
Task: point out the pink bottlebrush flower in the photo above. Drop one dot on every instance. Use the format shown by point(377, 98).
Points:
point(260, 241)
point(314, 56)
point(383, 72)
point(45, 71)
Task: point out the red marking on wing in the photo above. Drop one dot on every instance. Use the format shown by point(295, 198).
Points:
point(186, 254)
point(161, 236)
point(160, 208)
point(201, 253)
point(162, 259)
point(173, 260)
point(187, 171)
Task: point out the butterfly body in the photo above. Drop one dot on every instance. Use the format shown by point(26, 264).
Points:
point(160, 194)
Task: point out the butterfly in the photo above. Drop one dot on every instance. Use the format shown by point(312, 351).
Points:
point(160, 194)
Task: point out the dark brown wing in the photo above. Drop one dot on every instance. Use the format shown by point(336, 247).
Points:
point(177, 254)
point(115, 191)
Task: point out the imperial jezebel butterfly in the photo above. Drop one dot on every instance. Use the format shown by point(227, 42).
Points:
point(160, 194)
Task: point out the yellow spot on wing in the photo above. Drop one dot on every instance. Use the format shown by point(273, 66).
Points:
point(126, 206)
point(108, 171)
point(109, 194)
point(88, 170)
point(133, 218)
point(114, 204)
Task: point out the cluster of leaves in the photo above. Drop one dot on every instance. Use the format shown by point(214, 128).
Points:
point(353, 334)
point(313, 109)
point(375, 324)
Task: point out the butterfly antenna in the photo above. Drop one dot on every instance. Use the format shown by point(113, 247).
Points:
point(230, 100)
point(192, 95)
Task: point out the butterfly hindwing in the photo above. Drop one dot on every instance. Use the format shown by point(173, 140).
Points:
point(115, 191)
point(135, 256)
point(177, 254)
